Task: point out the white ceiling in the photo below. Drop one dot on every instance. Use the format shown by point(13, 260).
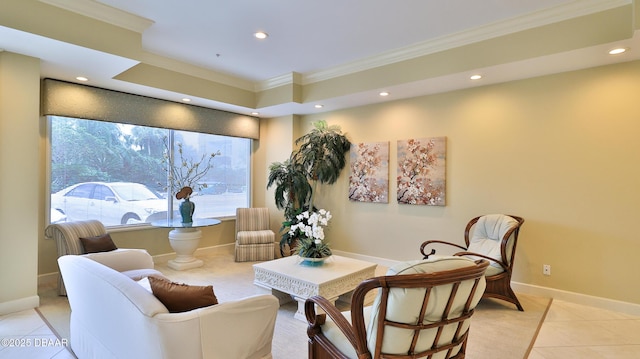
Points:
point(310, 38)
point(305, 36)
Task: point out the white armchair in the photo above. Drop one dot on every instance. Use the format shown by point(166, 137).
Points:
point(67, 236)
point(113, 316)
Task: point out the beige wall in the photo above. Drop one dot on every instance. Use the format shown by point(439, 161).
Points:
point(561, 151)
point(277, 136)
point(20, 222)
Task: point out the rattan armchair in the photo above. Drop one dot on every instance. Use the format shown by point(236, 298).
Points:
point(493, 237)
point(422, 308)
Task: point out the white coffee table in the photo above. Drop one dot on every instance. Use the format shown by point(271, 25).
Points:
point(287, 278)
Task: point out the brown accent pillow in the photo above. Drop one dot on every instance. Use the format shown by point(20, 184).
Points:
point(101, 243)
point(182, 297)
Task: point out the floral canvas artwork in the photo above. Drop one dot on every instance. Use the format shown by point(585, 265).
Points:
point(369, 178)
point(421, 171)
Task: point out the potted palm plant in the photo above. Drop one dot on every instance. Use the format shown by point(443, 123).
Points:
point(320, 157)
point(292, 189)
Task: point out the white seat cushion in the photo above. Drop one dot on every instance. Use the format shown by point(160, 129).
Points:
point(404, 306)
point(487, 237)
point(333, 333)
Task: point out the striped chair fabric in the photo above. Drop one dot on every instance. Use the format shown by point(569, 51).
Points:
point(67, 236)
point(254, 240)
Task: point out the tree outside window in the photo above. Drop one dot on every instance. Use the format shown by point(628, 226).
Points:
point(122, 172)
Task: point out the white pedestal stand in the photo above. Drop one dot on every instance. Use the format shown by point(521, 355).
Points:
point(184, 242)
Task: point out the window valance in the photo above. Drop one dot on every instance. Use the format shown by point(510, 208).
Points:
point(67, 99)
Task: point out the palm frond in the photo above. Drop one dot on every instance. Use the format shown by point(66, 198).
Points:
point(323, 152)
point(292, 190)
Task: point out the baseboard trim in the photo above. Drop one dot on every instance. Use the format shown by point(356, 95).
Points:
point(18, 305)
point(200, 251)
point(577, 298)
point(48, 278)
point(378, 260)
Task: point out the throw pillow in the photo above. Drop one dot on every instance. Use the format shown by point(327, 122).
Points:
point(182, 297)
point(101, 243)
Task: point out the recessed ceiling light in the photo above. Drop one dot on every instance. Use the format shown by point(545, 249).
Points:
point(475, 77)
point(255, 113)
point(384, 93)
point(82, 78)
point(186, 99)
point(617, 51)
point(318, 106)
point(261, 35)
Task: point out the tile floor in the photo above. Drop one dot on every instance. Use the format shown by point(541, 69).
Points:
point(577, 331)
point(569, 331)
point(26, 335)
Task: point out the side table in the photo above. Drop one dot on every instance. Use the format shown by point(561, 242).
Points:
point(184, 239)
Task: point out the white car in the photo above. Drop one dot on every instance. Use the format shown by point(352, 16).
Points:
point(113, 203)
point(57, 216)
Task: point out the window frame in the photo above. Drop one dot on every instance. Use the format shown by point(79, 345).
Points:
point(142, 225)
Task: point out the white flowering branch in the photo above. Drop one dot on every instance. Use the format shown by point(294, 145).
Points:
point(186, 172)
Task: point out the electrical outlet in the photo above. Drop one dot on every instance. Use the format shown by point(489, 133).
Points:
point(546, 269)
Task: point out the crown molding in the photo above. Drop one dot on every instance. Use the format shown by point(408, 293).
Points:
point(489, 31)
point(102, 12)
point(282, 80)
point(577, 8)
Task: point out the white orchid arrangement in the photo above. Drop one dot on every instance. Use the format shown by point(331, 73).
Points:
point(311, 224)
point(310, 231)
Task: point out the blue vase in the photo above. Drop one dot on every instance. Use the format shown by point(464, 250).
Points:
point(186, 210)
point(312, 262)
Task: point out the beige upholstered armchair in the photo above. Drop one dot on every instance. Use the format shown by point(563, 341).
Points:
point(254, 240)
point(67, 236)
point(113, 316)
point(422, 309)
point(493, 237)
